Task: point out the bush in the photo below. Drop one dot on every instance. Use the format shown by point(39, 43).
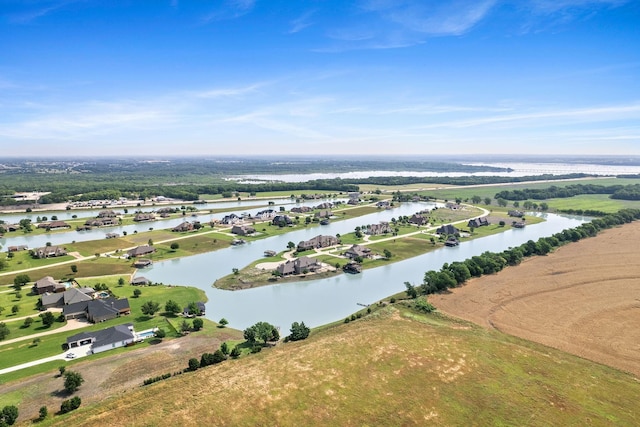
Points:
point(72, 381)
point(423, 305)
point(235, 352)
point(194, 364)
point(70, 405)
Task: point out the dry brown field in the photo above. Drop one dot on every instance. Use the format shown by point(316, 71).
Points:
point(584, 298)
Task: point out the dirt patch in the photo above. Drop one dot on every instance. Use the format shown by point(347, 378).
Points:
point(584, 299)
point(115, 374)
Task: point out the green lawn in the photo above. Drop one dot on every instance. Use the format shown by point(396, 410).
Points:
point(24, 351)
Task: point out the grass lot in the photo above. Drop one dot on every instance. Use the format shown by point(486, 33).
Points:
point(24, 351)
point(394, 367)
point(598, 202)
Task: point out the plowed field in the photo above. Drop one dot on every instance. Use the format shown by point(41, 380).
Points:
point(584, 299)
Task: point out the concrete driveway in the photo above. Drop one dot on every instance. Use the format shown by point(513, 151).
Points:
point(82, 351)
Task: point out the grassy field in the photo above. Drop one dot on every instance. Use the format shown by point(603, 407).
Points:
point(394, 367)
point(24, 351)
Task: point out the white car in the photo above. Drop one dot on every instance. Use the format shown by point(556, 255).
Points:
point(71, 356)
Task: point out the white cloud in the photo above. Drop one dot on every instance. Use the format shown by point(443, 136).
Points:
point(301, 22)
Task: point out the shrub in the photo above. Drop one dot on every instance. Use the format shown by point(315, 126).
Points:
point(70, 405)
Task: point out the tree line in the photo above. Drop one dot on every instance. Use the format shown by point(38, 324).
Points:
point(624, 192)
point(458, 272)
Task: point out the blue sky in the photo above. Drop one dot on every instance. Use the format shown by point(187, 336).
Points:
point(176, 77)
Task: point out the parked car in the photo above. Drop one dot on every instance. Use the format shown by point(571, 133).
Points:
point(71, 356)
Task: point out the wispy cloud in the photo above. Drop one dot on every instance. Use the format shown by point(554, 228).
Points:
point(443, 18)
point(229, 91)
point(230, 9)
point(552, 6)
point(301, 22)
point(39, 10)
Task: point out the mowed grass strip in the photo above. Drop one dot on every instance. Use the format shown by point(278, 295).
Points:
point(392, 369)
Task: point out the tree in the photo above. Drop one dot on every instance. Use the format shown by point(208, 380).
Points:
point(223, 322)
point(62, 368)
point(160, 333)
point(197, 324)
point(4, 331)
point(35, 342)
point(224, 348)
point(412, 292)
point(423, 305)
point(74, 268)
point(8, 415)
point(476, 199)
point(150, 308)
point(121, 281)
point(291, 245)
point(70, 404)
point(175, 246)
point(172, 307)
point(27, 322)
point(299, 331)
point(263, 331)
point(15, 309)
point(235, 352)
point(185, 327)
point(193, 309)
point(72, 381)
point(487, 200)
point(21, 280)
point(137, 293)
point(43, 412)
point(387, 253)
point(194, 364)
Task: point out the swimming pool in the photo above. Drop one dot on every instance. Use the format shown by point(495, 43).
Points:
point(146, 334)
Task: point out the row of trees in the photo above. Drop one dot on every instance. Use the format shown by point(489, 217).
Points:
point(457, 273)
point(626, 192)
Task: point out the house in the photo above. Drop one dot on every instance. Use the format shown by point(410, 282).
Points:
point(185, 226)
point(199, 306)
point(452, 241)
point(477, 222)
point(357, 251)
point(377, 229)
point(144, 216)
point(142, 263)
point(298, 266)
point(17, 248)
point(317, 242)
point(453, 206)
point(97, 310)
point(48, 252)
point(447, 229)
point(167, 210)
point(516, 213)
point(139, 281)
point(140, 251)
point(301, 209)
point(517, 224)
point(106, 339)
point(325, 206)
point(418, 220)
point(269, 253)
point(107, 214)
point(53, 225)
point(102, 222)
point(242, 230)
point(323, 214)
point(47, 284)
point(281, 220)
point(11, 227)
point(112, 235)
point(230, 219)
point(352, 267)
point(265, 215)
point(68, 297)
point(352, 202)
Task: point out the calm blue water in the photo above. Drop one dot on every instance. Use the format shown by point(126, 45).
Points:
point(60, 238)
point(323, 301)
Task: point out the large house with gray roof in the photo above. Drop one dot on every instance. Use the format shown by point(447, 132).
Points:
point(97, 310)
point(317, 242)
point(68, 297)
point(106, 339)
point(298, 266)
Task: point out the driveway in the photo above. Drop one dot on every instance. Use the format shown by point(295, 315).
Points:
point(78, 352)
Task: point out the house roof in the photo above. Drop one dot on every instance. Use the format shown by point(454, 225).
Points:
point(107, 336)
point(73, 295)
point(141, 250)
point(51, 299)
point(45, 282)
